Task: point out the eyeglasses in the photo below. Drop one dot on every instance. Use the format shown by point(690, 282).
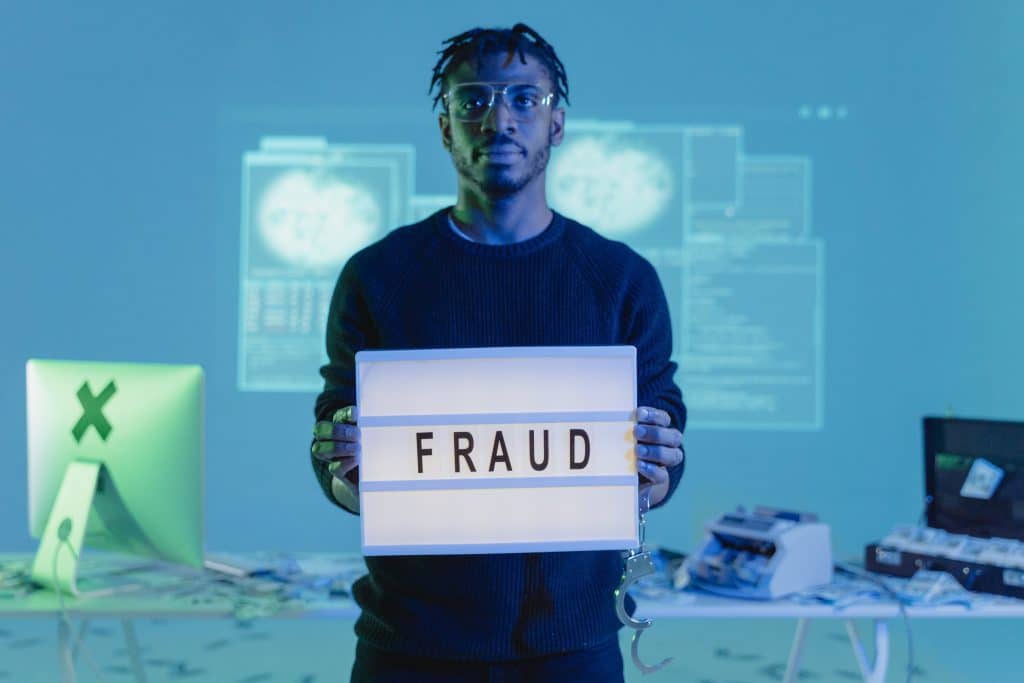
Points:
point(472, 101)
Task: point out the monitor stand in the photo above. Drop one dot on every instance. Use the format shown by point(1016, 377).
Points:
point(89, 510)
point(56, 562)
point(86, 487)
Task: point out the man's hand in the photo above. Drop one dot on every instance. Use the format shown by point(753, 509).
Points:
point(659, 446)
point(337, 443)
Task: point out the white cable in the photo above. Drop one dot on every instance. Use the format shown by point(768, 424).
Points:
point(65, 621)
point(899, 602)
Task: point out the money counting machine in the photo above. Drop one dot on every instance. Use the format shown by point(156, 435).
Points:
point(974, 514)
point(763, 555)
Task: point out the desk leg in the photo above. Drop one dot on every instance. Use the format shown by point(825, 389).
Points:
point(796, 652)
point(64, 653)
point(133, 650)
point(871, 672)
point(82, 629)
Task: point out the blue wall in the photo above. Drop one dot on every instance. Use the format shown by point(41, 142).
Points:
point(122, 130)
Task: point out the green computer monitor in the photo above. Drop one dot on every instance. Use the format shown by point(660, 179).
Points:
point(115, 461)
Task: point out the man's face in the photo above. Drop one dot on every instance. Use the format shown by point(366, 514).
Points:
point(501, 154)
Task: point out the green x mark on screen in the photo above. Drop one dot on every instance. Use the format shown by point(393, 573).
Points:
point(92, 407)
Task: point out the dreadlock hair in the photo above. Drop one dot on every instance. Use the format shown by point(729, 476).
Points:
point(477, 42)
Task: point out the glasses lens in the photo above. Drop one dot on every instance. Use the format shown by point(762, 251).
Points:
point(470, 101)
point(524, 100)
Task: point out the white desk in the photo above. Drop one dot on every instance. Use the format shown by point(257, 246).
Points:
point(182, 593)
point(167, 591)
point(700, 605)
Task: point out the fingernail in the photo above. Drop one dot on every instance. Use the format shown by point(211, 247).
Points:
point(640, 431)
point(641, 450)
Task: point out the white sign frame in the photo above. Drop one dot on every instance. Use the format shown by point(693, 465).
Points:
point(545, 463)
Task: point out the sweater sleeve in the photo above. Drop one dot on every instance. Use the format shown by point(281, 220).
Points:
point(349, 329)
point(650, 331)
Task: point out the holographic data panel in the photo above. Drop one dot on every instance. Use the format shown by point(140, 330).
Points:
point(775, 205)
point(305, 210)
point(622, 179)
point(712, 158)
point(751, 352)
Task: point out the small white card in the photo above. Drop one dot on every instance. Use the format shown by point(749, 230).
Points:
point(982, 480)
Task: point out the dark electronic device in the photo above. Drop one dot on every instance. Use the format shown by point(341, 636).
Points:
point(974, 493)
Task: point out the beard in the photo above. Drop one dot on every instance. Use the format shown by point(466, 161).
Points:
point(499, 181)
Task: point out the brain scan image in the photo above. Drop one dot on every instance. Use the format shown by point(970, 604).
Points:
point(614, 185)
point(315, 220)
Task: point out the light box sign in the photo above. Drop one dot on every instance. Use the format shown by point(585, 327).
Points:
point(497, 450)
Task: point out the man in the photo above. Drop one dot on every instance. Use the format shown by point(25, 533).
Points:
point(500, 268)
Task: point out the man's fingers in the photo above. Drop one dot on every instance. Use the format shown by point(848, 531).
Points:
point(333, 450)
point(662, 455)
point(656, 474)
point(339, 468)
point(338, 438)
point(661, 436)
point(323, 430)
point(349, 414)
point(347, 448)
point(654, 416)
point(344, 432)
point(339, 431)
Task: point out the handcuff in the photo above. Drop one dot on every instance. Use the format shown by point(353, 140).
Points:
point(638, 564)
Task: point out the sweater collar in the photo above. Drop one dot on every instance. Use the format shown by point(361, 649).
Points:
point(442, 224)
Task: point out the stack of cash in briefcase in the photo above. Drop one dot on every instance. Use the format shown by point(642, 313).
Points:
point(988, 565)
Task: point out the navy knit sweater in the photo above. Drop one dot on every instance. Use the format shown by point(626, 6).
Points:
point(423, 286)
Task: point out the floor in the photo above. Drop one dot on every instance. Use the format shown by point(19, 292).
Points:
point(319, 651)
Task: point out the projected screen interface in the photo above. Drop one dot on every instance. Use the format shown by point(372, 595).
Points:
point(730, 236)
point(306, 208)
point(730, 233)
